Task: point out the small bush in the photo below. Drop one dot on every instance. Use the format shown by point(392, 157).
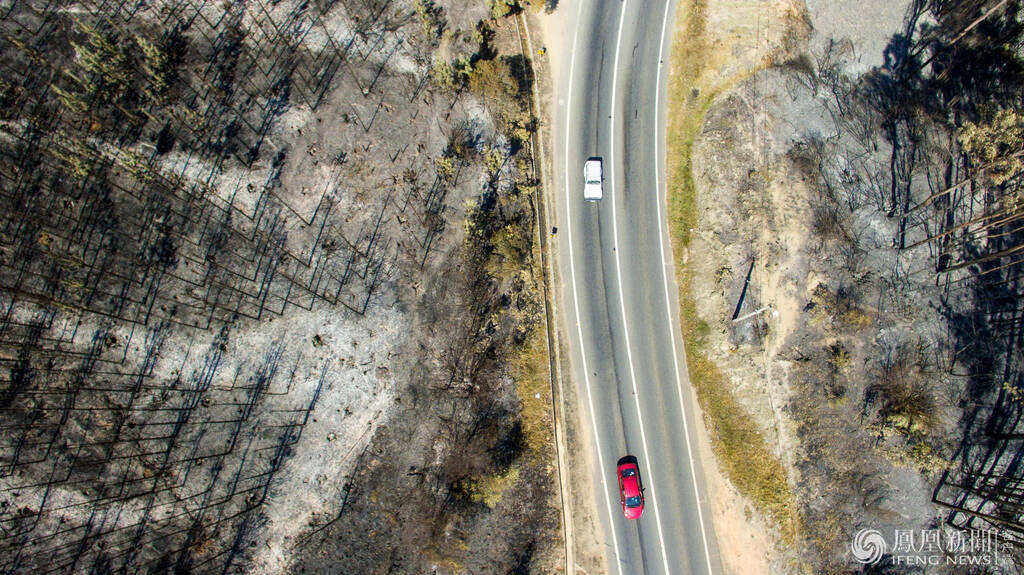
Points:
point(502, 8)
point(156, 64)
point(506, 94)
point(445, 169)
point(495, 160)
point(839, 358)
point(431, 19)
point(489, 488)
point(509, 251)
point(904, 397)
point(106, 66)
point(914, 453)
point(995, 144)
point(837, 310)
point(452, 76)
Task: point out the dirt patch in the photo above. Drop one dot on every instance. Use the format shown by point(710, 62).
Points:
point(550, 29)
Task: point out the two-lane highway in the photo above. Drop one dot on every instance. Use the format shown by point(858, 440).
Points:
point(619, 284)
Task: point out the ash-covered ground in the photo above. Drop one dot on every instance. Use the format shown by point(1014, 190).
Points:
point(855, 264)
point(262, 269)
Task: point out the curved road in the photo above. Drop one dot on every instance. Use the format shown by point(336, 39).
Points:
point(619, 287)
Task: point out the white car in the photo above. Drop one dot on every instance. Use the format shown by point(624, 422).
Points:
point(593, 186)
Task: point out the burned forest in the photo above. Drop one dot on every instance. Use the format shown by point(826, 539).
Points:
point(267, 273)
point(924, 220)
point(870, 226)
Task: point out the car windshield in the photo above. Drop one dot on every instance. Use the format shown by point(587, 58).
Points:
point(634, 501)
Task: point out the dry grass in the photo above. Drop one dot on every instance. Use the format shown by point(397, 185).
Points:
point(529, 366)
point(687, 105)
point(740, 448)
point(736, 440)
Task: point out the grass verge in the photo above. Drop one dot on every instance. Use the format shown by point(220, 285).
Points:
point(740, 448)
point(529, 367)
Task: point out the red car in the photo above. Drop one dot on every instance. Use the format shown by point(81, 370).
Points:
point(631, 489)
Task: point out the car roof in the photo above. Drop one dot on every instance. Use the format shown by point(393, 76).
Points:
point(630, 482)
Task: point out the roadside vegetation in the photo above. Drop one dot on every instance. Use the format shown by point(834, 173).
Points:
point(736, 437)
point(744, 454)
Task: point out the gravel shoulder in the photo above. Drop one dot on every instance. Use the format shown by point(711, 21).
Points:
point(585, 537)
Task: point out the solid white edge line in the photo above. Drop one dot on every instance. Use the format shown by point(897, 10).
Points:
point(575, 298)
point(664, 274)
point(622, 300)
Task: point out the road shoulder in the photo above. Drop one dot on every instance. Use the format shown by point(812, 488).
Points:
point(584, 540)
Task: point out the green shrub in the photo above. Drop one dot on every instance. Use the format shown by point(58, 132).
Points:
point(502, 8)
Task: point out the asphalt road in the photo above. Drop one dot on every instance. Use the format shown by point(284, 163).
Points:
point(619, 284)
